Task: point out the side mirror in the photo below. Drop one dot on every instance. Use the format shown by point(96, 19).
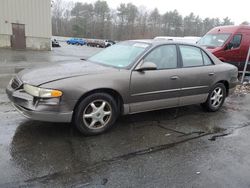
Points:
point(147, 66)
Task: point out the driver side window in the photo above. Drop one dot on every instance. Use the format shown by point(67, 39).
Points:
point(165, 57)
point(235, 42)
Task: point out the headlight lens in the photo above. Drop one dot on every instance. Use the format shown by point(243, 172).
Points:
point(41, 92)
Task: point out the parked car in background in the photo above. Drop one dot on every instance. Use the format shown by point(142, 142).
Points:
point(126, 78)
point(95, 43)
point(55, 43)
point(229, 43)
point(187, 39)
point(100, 43)
point(108, 43)
point(76, 41)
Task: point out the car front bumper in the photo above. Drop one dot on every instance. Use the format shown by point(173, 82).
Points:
point(44, 116)
point(50, 110)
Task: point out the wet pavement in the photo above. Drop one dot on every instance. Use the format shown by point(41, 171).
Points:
point(179, 147)
point(12, 62)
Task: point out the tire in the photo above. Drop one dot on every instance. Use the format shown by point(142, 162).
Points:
point(99, 117)
point(215, 98)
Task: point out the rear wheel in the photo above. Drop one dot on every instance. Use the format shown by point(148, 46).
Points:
point(96, 114)
point(215, 98)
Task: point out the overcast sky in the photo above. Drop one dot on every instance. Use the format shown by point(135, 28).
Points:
point(238, 11)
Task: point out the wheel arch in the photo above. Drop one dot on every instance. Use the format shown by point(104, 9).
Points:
point(115, 94)
point(226, 84)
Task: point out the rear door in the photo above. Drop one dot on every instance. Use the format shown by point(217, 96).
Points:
point(156, 89)
point(197, 75)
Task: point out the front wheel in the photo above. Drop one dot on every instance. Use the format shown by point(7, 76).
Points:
point(215, 98)
point(96, 114)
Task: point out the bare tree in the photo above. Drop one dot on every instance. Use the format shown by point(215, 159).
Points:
point(57, 13)
point(127, 21)
point(245, 23)
point(227, 21)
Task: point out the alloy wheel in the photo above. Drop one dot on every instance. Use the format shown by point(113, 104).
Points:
point(97, 114)
point(216, 97)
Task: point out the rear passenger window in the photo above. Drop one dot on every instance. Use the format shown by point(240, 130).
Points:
point(207, 60)
point(191, 56)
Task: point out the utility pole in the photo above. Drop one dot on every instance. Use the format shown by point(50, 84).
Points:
point(245, 67)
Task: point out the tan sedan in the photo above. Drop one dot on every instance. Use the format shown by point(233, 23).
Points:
point(129, 77)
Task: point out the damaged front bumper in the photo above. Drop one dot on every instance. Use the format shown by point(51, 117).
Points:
point(50, 110)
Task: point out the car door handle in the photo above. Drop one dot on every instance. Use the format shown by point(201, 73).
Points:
point(211, 74)
point(174, 77)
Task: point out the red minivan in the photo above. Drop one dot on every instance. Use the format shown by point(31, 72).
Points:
point(229, 43)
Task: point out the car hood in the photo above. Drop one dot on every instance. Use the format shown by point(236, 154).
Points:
point(57, 71)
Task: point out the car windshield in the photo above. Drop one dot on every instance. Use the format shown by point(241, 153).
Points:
point(214, 40)
point(120, 55)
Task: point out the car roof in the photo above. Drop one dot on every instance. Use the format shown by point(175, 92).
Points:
point(229, 29)
point(156, 43)
point(162, 42)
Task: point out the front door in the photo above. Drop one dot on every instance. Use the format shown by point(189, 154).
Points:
point(233, 51)
point(156, 89)
point(18, 36)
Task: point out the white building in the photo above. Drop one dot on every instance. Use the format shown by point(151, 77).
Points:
point(25, 24)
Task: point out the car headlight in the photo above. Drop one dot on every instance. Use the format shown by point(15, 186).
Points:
point(41, 92)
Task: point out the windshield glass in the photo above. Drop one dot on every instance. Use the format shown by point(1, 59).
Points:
point(120, 55)
point(214, 40)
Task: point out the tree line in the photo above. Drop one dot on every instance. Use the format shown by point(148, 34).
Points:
point(127, 21)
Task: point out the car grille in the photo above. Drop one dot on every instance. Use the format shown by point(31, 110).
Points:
point(15, 83)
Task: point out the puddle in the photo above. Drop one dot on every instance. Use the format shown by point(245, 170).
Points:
point(215, 129)
point(231, 131)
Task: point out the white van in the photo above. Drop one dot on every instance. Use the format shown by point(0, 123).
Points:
point(187, 39)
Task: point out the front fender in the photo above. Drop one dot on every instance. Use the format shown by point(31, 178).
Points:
point(74, 88)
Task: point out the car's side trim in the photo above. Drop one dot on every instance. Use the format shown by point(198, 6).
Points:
point(169, 90)
point(196, 87)
point(155, 92)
